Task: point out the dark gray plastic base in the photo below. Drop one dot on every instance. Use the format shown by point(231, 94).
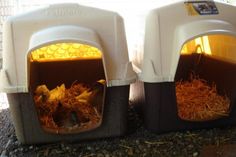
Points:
point(29, 131)
point(160, 108)
point(160, 111)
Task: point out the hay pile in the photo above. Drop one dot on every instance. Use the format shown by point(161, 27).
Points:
point(76, 109)
point(197, 101)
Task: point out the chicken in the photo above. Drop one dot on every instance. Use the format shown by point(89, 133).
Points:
point(94, 96)
point(46, 101)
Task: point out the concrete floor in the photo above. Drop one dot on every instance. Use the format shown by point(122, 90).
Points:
point(3, 101)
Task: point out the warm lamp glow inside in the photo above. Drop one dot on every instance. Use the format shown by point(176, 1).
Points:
point(197, 45)
point(65, 51)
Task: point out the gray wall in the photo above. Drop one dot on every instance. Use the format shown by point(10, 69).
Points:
point(6, 9)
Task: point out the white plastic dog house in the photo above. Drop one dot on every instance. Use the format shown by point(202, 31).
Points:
point(168, 30)
point(60, 44)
